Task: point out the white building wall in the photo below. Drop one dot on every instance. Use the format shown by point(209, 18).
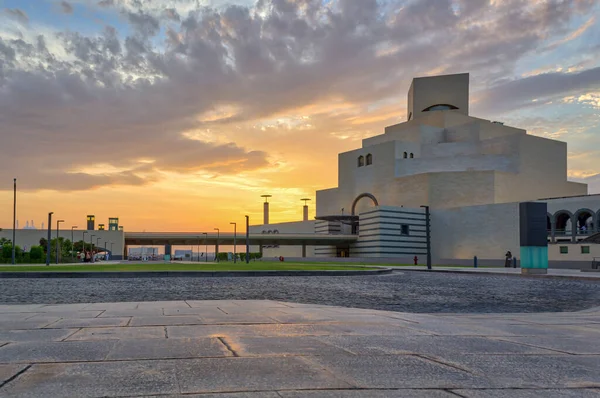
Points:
point(380, 233)
point(574, 252)
point(485, 231)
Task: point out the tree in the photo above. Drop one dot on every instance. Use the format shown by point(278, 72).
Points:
point(36, 253)
point(44, 244)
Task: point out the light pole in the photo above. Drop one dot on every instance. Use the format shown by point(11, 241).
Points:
point(14, 252)
point(111, 248)
point(83, 243)
point(247, 239)
point(105, 250)
point(92, 248)
point(72, 243)
point(428, 235)
point(49, 237)
point(57, 241)
point(198, 248)
point(206, 246)
point(98, 242)
point(217, 245)
point(234, 240)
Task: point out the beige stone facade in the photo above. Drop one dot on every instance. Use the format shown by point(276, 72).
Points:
point(443, 157)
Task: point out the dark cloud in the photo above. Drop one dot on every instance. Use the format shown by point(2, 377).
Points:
point(17, 14)
point(514, 94)
point(66, 7)
point(128, 105)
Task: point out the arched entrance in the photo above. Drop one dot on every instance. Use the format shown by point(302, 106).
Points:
point(563, 220)
point(584, 222)
point(355, 202)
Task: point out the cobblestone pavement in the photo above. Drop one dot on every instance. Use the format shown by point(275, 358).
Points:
point(262, 348)
point(401, 291)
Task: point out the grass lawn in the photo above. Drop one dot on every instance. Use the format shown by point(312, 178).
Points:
point(225, 266)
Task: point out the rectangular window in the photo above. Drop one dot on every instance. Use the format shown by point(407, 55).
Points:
point(564, 249)
point(404, 229)
point(585, 250)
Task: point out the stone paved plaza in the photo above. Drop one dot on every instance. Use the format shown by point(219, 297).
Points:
point(247, 349)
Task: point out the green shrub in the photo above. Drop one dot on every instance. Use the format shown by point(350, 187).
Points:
point(36, 253)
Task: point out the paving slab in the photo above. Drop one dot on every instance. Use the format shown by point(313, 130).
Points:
point(167, 349)
point(399, 371)
point(36, 335)
point(530, 393)
point(251, 374)
point(533, 371)
point(569, 345)
point(66, 351)
point(27, 324)
point(441, 346)
point(88, 322)
point(8, 371)
point(105, 379)
point(277, 346)
point(165, 320)
point(119, 333)
point(404, 393)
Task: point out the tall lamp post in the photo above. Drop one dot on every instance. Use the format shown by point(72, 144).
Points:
point(72, 243)
point(217, 245)
point(92, 248)
point(234, 240)
point(111, 243)
point(206, 246)
point(197, 248)
point(83, 243)
point(247, 239)
point(49, 237)
point(14, 252)
point(98, 242)
point(428, 235)
point(57, 241)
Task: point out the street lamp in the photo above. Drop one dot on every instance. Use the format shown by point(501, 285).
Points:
point(428, 234)
point(111, 243)
point(72, 243)
point(57, 241)
point(217, 245)
point(206, 246)
point(92, 248)
point(234, 239)
point(197, 248)
point(247, 239)
point(14, 253)
point(98, 242)
point(83, 243)
point(49, 237)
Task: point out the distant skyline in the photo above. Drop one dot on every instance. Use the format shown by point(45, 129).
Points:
point(177, 115)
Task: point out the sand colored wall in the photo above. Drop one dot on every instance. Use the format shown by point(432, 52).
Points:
point(574, 252)
point(447, 89)
point(485, 231)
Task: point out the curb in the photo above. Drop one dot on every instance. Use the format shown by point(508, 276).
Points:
point(185, 274)
point(573, 277)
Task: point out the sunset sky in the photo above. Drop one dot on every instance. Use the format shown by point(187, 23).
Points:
point(176, 115)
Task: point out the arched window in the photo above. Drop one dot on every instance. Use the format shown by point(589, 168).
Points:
point(411, 155)
point(369, 159)
point(405, 155)
point(361, 161)
point(439, 107)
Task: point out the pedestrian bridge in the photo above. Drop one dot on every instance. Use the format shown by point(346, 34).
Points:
point(226, 239)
